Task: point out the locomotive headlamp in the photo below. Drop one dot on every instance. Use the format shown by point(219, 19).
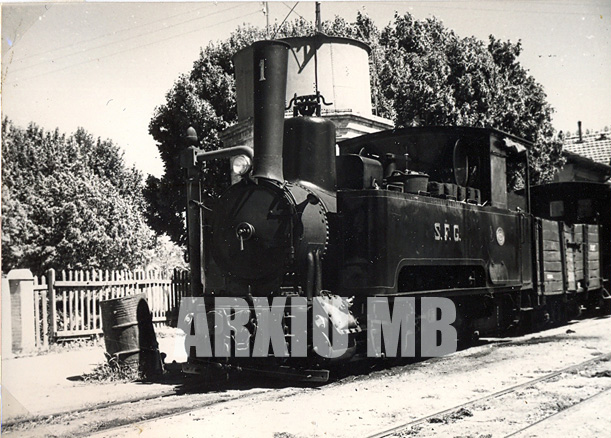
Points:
point(240, 164)
point(500, 236)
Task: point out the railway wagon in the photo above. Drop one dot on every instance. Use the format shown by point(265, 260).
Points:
point(575, 223)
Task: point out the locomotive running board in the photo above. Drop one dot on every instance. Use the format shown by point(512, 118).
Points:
point(282, 372)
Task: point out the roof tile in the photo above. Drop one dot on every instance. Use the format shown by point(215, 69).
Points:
point(595, 146)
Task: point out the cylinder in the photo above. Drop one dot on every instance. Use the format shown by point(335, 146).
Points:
point(309, 151)
point(270, 60)
point(129, 335)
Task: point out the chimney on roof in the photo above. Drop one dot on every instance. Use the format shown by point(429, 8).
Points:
point(579, 131)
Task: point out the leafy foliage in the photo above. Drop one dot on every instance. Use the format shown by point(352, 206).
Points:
point(166, 256)
point(422, 73)
point(69, 203)
point(434, 77)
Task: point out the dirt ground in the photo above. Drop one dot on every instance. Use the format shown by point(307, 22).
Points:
point(368, 403)
point(49, 384)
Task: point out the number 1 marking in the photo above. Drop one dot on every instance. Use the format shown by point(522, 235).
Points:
point(262, 70)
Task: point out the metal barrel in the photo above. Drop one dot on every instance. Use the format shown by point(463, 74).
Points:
point(129, 336)
point(270, 60)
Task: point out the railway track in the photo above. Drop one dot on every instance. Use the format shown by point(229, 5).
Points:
point(207, 406)
point(107, 417)
point(437, 418)
point(455, 413)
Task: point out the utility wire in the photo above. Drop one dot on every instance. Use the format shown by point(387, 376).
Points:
point(522, 11)
point(438, 5)
point(18, 69)
point(134, 48)
point(46, 52)
point(295, 11)
point(283, 21)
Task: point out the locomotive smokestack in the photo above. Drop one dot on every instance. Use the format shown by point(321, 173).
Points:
point(270, 60)
point(579, 131)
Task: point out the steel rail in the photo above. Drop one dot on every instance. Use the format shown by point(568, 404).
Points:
point(143, 419)
point(13, 426)
point(500, 393)
point(604, 391)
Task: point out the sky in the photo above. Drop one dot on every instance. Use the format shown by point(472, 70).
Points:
point(107, 66)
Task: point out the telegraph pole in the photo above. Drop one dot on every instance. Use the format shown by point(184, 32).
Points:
point(267, 19)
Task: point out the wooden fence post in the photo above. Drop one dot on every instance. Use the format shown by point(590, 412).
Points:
point(36, 298)
point(52, 300)
point(43, 322)
point(44, 296)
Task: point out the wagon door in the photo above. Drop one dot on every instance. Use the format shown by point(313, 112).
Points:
point(591, 259)
point(550, 254)
point(582, 257)
point(572, 250)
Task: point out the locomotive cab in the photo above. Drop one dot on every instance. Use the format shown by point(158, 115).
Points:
point(482, 166)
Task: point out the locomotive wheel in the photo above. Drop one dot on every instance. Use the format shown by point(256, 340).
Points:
point(467, 337)
point(558, 312)
point(553, 313)
point(603, 303)
point(573, 309)
point(522, 326)
point(598, 304)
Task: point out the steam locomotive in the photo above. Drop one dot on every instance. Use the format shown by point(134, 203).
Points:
point(414, 212)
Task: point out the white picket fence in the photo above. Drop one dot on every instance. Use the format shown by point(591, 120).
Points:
point(67, 304)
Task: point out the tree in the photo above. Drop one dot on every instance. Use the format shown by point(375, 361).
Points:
point(433, 77)
point(69, 203)
point(421, 74)
point(522, 110)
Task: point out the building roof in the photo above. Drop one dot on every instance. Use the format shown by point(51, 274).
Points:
point(595, 146)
